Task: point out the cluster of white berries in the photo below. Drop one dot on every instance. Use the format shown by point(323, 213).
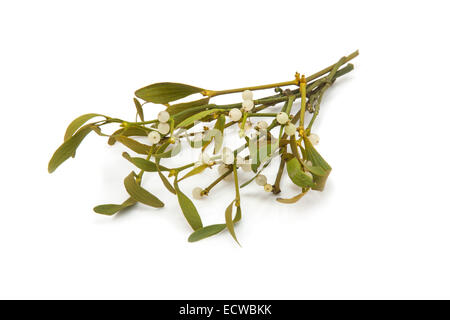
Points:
point(283, 118)
point(247, 105)
point(163, 128)
point(261, 180)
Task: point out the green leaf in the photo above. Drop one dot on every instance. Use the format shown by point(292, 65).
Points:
point(196, 117)
point(165, 181)
point(165, 92)
point(68, 148)
point(134, 145)
point(143, 164)
point(317, 161)
point(195, 171)
point(128, 132)
point(188, 208)
point(229, 220)
point(139, 109)
point(78, 122)
point(206, 232)
point(140, 194)
point(110, 209)
point(297, 175)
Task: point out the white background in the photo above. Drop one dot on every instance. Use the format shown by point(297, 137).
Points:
point(379, 230)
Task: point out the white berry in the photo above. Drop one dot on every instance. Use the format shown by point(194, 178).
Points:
point(197, 193)
point(309, 174)
point(268, 187)
point(163, 128)
point(261, 180)
point(235, 114)
point(247, 95)
point(289, 129)
point(248, 105)
point(163, 116)
point(308, 163)
point(314, 138)
point(262, 125)
point(154, 137)
point(282, 118)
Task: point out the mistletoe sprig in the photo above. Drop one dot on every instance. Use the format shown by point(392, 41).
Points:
point(286, 136)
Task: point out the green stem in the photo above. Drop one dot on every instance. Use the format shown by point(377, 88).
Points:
point(213, 93)
point(223, 176)
point(329, 68)
point(253, 114)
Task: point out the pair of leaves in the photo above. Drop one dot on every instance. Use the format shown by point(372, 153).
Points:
point(320, 168)
point(78, 122)
point(295, 172)
point(128, 132)
point(143, 164)
point(140, 194)
point(111, 209)
point(188, 209)
point(165, 92)
point(68, 148)
point(213, 229)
